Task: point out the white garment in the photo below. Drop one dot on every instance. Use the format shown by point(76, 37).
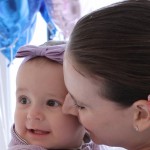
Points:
point(104, 147)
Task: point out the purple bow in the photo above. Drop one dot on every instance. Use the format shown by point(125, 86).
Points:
point(54, 52)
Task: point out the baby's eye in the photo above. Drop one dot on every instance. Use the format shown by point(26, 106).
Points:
point(53, 103)
point(24, 100)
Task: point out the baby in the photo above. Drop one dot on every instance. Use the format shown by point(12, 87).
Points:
point(40, 93)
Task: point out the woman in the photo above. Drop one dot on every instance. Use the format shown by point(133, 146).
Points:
point(107, 74)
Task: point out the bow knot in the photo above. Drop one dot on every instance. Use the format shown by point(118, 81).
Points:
point(53, 52)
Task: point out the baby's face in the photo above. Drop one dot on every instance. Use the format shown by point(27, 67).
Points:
point(40, 93)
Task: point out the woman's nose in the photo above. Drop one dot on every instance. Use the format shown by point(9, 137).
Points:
point(69, 106)
point(35, 113)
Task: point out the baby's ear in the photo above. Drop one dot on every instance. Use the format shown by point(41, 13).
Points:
point(141, 112)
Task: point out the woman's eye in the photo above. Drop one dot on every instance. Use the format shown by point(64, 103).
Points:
point(53, 103)
point(79, 107)
point(24, 100)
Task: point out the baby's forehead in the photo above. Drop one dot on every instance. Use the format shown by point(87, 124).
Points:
point(41, 67)
point(48, 75)
point(41, 64)
point(41, 60)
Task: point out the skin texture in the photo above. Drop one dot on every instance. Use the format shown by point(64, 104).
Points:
point(108, 122)
point(39, 119)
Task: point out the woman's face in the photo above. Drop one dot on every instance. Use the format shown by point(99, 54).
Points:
point(107, 122)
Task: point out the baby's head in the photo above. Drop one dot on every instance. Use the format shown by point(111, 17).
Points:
point(40, 93)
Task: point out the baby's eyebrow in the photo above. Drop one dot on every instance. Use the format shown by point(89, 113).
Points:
point(21, 90)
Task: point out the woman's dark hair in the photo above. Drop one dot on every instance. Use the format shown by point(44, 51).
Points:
point(114, 43)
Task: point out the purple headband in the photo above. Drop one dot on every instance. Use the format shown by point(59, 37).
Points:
point(53, 52)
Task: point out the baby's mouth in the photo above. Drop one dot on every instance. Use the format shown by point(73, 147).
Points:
point(39, 132)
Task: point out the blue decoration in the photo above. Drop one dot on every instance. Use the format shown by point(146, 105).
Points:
point(17, 23)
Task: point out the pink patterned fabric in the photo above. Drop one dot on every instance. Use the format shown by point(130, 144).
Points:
point(17, 143)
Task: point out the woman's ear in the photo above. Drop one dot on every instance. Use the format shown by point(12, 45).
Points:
point(141, 115)
point(149, 98)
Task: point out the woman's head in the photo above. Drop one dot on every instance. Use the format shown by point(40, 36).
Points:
point(107, 73)
point(113, 44)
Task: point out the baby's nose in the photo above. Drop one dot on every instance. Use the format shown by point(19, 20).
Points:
point(35, 113)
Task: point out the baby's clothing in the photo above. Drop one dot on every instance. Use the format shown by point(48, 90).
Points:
point(17, 143)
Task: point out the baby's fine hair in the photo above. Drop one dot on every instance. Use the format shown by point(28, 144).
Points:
point(112, 44)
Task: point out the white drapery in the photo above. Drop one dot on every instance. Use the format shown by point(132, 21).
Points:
point(5, 104)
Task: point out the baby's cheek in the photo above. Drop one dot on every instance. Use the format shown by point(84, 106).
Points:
point(20, 121)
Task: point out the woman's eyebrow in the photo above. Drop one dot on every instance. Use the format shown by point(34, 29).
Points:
point(75, 100)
